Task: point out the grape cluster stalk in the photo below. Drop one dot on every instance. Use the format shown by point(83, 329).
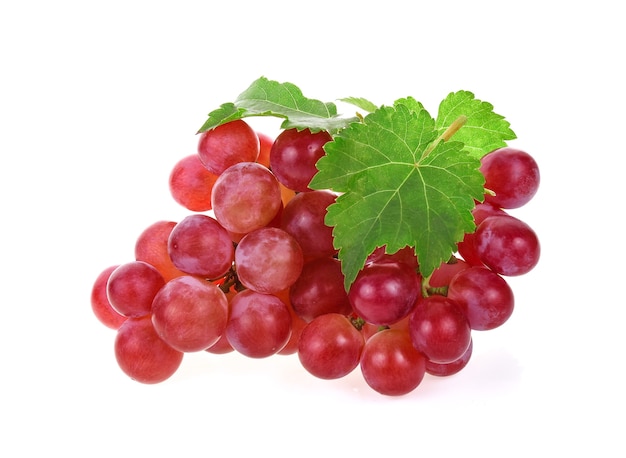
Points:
point(253, 269)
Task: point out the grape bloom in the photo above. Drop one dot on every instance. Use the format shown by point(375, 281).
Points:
point(320, 243)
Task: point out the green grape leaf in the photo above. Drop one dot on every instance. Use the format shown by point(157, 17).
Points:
point(283, 100)
point(398, 187)
point(361, 103)
point(484, 130)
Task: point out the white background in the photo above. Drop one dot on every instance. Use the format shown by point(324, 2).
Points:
point(100, 99)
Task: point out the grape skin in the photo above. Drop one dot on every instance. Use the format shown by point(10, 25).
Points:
point(507, 245)
point(228, 144)
point(439, 329)
point(151, 247)
point(132, 287)
point(142, 354)
point(483, 296)
point(259, 324)
point(190, 314)
point(100, 304)
point(330, 346)
point(191, 183)
point(390, 364)
point(246, 197)
point(512, 174)
point(199, 245)
point(268, 260)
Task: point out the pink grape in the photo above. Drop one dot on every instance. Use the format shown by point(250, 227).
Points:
point(507, 245)
point(443, 274)
point(228, 144)
point(319, 290)
point(405, 255)
point(439, 329)
point(259, 324)
point(190, 314)
point(512, 174)
point(132, 287)
point(246, 197)
point(100, 304)
point(390, 364)
point(384, 293)
point(303, 217)
point(268, 260)
point(484, 297)
point(142, 354)
point(330, 346)
point(199, 245)
point(190, 184)
point(451, 368)
point(294, 154)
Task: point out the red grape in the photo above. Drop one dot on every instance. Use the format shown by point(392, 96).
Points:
point(142, 354)
point(268, 260)
point(132, 287)
point(330, 346)
point(228, 144)
point(507, 245)
point(190, 184)
point(100, 304)
point(451, 368)
point(199, 245)
point(259, 324)
point(190, 314)
point(246, 197)
point(303, 217)
point(439, 329)
point(384, 293)
point(294, 155)
point(512, 174)
point(151, 247)
point(390, 364)
point(320, 289)
point(484, 297)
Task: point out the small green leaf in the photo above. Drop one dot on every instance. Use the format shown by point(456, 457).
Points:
point(283, 100)
point(392, 194)
point(361, 103)
point(484, 129)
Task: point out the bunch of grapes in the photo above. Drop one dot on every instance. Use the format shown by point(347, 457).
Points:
point(253, 269)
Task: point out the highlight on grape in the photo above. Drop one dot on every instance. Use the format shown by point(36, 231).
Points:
point(379, 242)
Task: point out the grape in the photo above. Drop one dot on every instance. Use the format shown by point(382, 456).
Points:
point(390, 364)
point(303, 217)
point(451, 368)
point(319, 289)
point(405, 255)
point(265, 146)
point(199, 245)
point(190, 184)
point(228, 144)
point(466, 247)
point(330, 346)
point(294, 154)
point(439, 329)
point(384, 293)
point(442, 275)
point(268, 260)
point(484, 297)
point(151, 247)
point(190, 314)
point(100, 304)
point(259, 324)
point(142, 354)
point(507, 245)
point(132, 287)
point(512, 174)
point(246, 197)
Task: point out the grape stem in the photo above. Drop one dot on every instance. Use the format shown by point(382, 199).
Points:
point(446, 135)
